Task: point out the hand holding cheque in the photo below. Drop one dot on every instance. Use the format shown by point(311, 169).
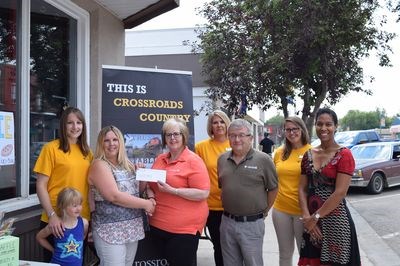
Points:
point(153, 175)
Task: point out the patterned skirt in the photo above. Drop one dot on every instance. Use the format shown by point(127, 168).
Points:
point(339, 245)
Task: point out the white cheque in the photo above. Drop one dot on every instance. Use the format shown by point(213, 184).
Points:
point(151, 175)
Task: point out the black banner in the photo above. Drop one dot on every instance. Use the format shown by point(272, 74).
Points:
point(138, 101)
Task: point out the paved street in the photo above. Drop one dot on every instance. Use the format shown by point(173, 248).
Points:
point(374, 250)
point(381, 212)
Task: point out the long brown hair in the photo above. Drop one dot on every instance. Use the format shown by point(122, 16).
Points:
point(82, 139)
point(305, 138)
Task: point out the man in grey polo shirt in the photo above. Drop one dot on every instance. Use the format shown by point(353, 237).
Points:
point(249, 183)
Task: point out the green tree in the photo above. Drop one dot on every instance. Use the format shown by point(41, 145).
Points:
point(8, 32)
point(358, 120)
point(269, 52)
point(48, 49)
point(395, 7)
point(389, 121)
point(276, 120)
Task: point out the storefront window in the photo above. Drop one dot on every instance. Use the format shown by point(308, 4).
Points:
point(51, 59)
point(52, 85)
point(8, 55)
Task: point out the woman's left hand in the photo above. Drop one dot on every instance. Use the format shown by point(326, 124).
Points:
point(316, 233)
point(164, 187)
point(194, 194)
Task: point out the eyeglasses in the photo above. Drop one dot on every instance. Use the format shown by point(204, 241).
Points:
point(292, 130)
point(240, 136)
point(175, 135)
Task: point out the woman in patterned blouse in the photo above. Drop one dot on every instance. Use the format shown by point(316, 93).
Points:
point(114, 200)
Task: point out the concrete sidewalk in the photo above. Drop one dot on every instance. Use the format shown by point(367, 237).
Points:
point(374, 251)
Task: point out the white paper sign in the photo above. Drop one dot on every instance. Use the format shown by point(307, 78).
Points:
point(151, 175)
point(7, 149)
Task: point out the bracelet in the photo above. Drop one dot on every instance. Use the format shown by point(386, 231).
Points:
point(52, 213)
point(176, 191)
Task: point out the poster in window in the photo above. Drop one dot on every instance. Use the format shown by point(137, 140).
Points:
point(143, 148)
point(7, 139)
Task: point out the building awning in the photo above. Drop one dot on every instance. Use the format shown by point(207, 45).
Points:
point(134, 13)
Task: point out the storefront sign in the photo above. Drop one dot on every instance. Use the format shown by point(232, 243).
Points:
point(139, 100)
point(9, 250)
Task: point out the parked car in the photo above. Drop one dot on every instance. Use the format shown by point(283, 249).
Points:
point(350, 138)
point(377, 166)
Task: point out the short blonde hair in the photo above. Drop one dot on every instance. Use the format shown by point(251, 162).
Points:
point(221, 115)
point(67, 196)
point(182, 128)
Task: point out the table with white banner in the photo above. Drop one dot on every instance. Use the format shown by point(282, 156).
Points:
point(35, 263)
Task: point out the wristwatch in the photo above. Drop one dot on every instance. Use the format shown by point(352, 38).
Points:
point(316, 216)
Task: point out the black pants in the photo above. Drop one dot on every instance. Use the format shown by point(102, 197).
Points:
point(178, 249)
point(213, 223)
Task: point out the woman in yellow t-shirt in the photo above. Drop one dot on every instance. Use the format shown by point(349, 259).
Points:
point(209, 150)
point(62, 163)
point(286, 212)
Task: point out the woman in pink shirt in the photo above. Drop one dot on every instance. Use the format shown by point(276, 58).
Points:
point(181, 210)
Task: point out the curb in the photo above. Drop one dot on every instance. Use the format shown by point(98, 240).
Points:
point(372, 247)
